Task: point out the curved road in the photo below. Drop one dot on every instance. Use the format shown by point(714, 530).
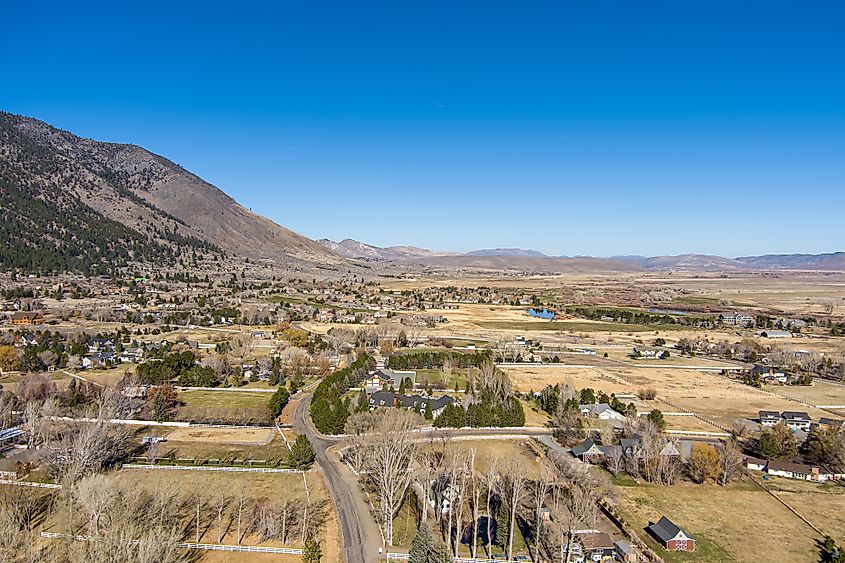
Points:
point(360, 534)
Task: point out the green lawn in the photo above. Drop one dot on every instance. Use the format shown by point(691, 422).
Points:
point(223, 399)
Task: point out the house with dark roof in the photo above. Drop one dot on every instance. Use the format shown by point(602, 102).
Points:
point(381, 377)
point(26, 318)
point(796, 420)
point(769, 374)
point(768, 418)
point(792, 470)
point(597, 546)
point(381, 399)
point(588, 451)
point(670, 536)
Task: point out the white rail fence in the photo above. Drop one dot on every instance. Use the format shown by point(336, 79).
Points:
point(209, 468)
point(406, 557)
point(30, 484)
point(199, 546)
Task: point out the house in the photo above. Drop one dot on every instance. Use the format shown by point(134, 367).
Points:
point(768, 418)
point(588, 451)
point(796, 420)
point(650, 354)
point(670, 536)
point(135, 391)
point(26, 318)
point(792, 470)
point(769, 374)
point(755, 463)
point(631, 446)
point(378, 378)
point(381, 399)
point(600, 410)
point(737, 319)
point(831, 422)
point(624, 551)
point(597, 546)
point(10, 469)
point(776, 334)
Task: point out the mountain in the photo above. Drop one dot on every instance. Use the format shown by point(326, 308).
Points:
point(349, 248)
point(688, 262)
point(531, 264)
point(507, 252)
point(831, 261)
point(78, 204)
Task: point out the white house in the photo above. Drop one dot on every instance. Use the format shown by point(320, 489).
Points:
point(600, 410)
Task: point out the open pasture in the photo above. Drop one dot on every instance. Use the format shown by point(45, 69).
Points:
point(739, 522)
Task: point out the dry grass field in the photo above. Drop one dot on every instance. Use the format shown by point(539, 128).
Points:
point(817, 394)
point(740, 522)
point(222, 435)
point(704, 393)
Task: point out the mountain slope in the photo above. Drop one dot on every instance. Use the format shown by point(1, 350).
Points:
point(143, 206)
point(349, 248)
point(831, 261)
point(507, 252)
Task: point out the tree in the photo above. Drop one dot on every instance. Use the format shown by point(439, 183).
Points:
point(777, 443)
point(311, 551)
point(703, 463)
point(390, 451)
point(515, 482)
point(825, 445)
point(730, 462)
point(656, 417)
point(301, 454)
point(8, 358)
point(428, 414)
point(278, 401)
point(161, 411)
point(426, 549)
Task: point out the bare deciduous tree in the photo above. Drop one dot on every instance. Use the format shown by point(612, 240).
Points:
point(391, 450)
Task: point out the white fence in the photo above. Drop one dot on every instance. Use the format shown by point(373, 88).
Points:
point(209, 468)
point(176, 424)
point(30, 484)
point(406, 557)
point(225, 389)
point(199, 546)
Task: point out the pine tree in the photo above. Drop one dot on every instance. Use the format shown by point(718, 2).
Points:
point(502, 524)
point(160, 410)
point(301, 454)
point(426, 549)
point(428, 414)
point(311, 552)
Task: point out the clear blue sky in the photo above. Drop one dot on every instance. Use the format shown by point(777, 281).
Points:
point(583, 127)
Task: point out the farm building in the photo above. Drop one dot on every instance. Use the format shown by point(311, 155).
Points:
point(671, 537)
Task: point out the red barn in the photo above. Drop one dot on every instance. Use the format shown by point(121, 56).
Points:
point(671, 536)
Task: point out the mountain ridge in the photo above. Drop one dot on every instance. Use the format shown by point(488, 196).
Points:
point(50, 173)
point(681, 262)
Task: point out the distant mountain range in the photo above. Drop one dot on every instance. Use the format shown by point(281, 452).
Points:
point(69, 203)
point(527, 259)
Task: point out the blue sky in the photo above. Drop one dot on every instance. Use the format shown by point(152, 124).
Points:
point(576, 127)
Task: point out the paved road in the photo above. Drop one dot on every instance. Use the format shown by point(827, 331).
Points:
point(360, 534)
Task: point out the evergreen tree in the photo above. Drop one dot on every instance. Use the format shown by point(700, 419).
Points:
point(428, 414)
point(301, 454)
point(312, 552)
point(161, 412)
point(426, 549)
point(502, 524)
point(278, 401)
